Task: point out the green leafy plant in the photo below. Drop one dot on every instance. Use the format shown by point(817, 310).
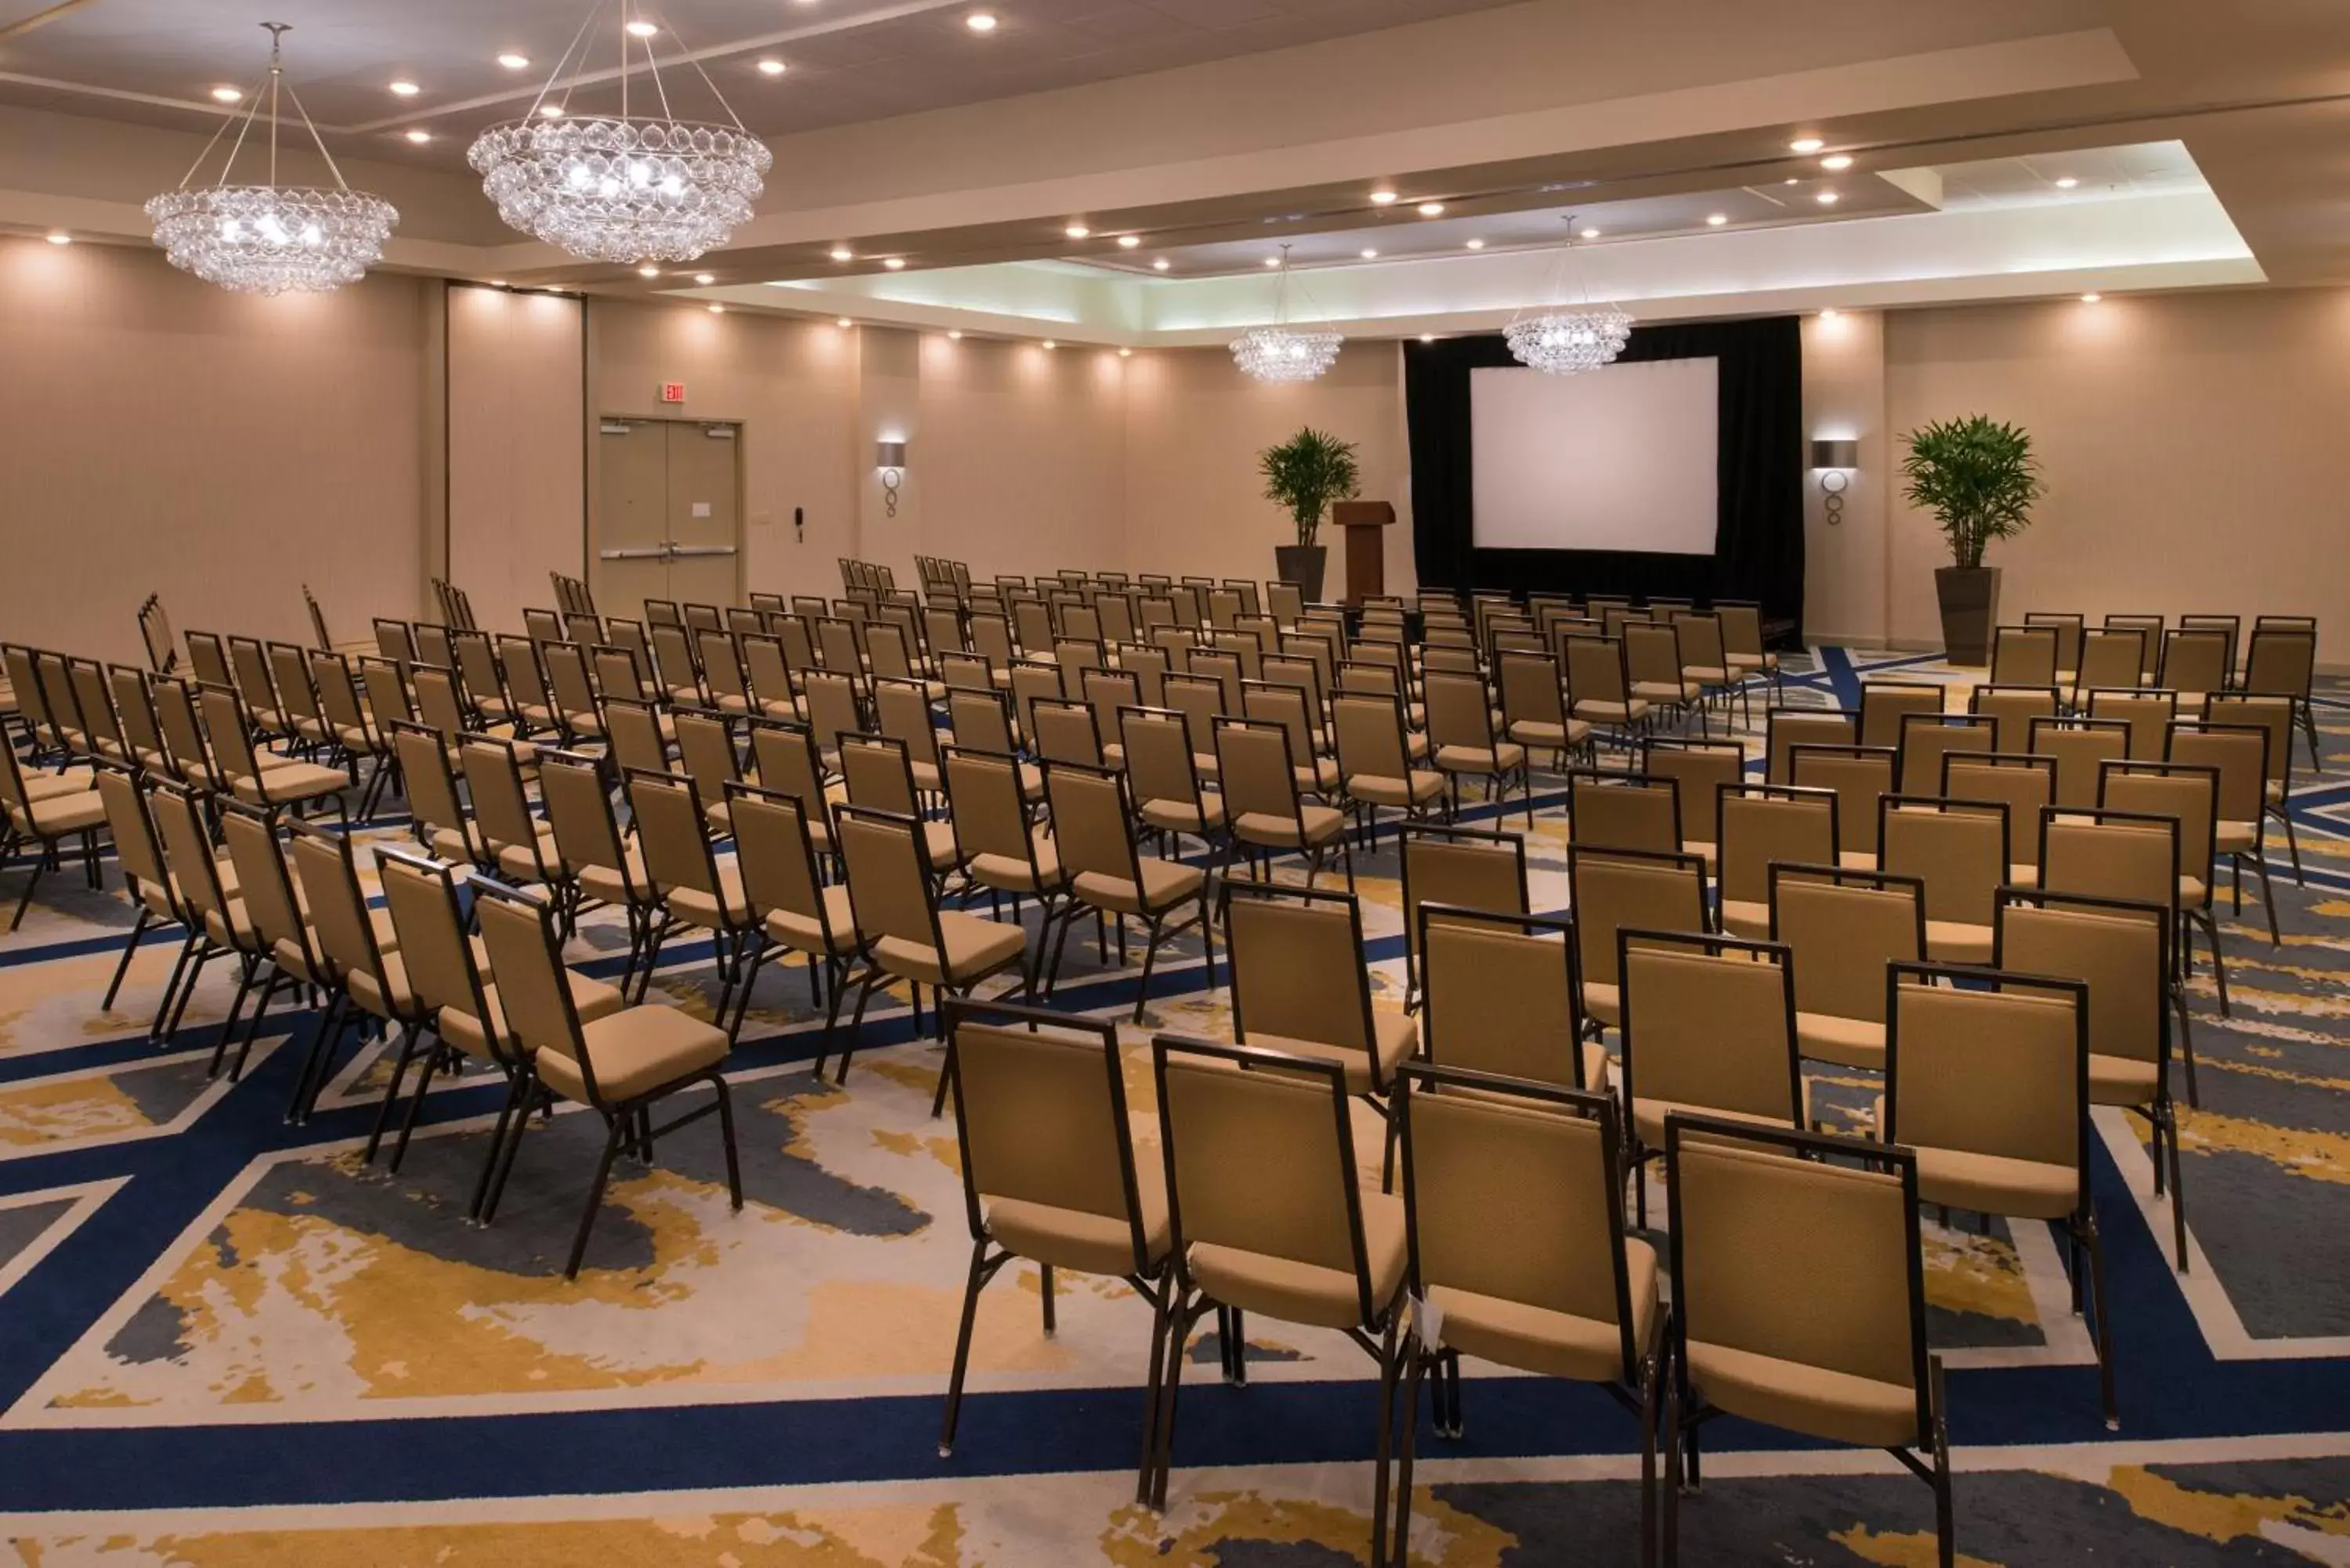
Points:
point(1978, 478)
point(1308, 472)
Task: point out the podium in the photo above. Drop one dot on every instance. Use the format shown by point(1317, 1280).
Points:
point(1366, 546)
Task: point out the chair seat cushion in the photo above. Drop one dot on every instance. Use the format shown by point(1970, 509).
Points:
point(517, 863)
point(1502, 756)
point(606, 884)
point(1074, 1239)
point(1303, 1293)
point(1174, 816)
point(1321, 823)
point(1554, 1344)
point(1011, 874)
point(802, 934)
point(1957, 942)
point(1395, 1036)
point(2121, 1080)
point(1379, 789)
point(975, 946)
point(296, 782)
point(1594, 710)
point(1995, 1184)
point(55, 816)
point(1603, 1001)
point(1321, 777)
point(1849, 1041)
point(1164, 883)
point(725, 909)
point(635, 1052)
point(1549, 736)
point(2237, 837)
point(1814, 1400)
point(592, 999)
point(1746, 917)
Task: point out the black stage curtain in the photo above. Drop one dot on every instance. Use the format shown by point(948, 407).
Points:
point(1759, 543)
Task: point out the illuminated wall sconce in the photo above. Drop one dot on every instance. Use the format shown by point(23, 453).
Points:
point(1834, 460)
point(890, 457)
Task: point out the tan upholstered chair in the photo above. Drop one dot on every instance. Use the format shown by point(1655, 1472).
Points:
point(1500, 997)
point(515, 844)
point(1462, 743)
point(2011, 709)
point(1162, 769)
point(1267, 1214)
point(1599, 689)
point(2021, 782)
point(1927, 738)
point(2148, 715)
point(621, 1066)
point(2112, 659)
point(706, 752)
point(596, 865)
point(1261, 803)
point(2273, 714)
point(1758, 826)
point(696, 891)
point(1467, 868)
point(1988, 1084)
point(1887, 705)
point(1699, 771)
point(436, 812)
point(2068, 629)
point(204, 881)
point(1841, 928)
point(1957, 851)
point(1624, 810)
point(46, 821)
point(1612, 890)
point(2120, 951)
point(265, 924)
point(154, 897)
point(1653, 659)
point(1534, 707)
point(995, 845)
point(1092, 829)
point(2197, 663)
point(357, 953)
point(2079, 748)
point(879, 776)
point(294, 784)
point(1515, 1219)
point(1860, 776)
point(2024, 656)
point(2238, 758)
point(2281, 661)
point(786, 759)
point(1300, 984)
point(2189, 797)
point(1049, 1172)
point(1742, 644)
point(1374, 761)
point(1799, 1299)
point(776, 859)
point(1787, 728)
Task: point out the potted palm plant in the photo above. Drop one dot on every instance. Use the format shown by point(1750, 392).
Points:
point(1979, 479)
point(1305, 473)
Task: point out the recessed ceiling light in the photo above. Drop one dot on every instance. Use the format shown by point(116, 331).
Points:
point(705, 278)
point(1273, 261)
point(1050, 344)
point(2065, 182)
point(956, 336)
point(2091, 298)
point(497, 283)
point(228, 95)
point(842, 253)
point(717, 310)
point(772, 67)
point(514, 62)
point(1382, 197)
point(405, 89)
point(551, 111)
point(1432, 209)
point(59, 237)
point(1715, 220)
point(894, 264)
point(982, 22)
point(1371, 256)
point(1077, 231)
point(1428, 338)
point(1836, 162)
point(1827, 198)
point(1128, 242)
point(641, 28)
point(1589, 233)
point(1476, 245)
point(1793, 181)
point(419, 137)
point(1161, 265)
point(844, 321)
point(1125, 353)
point(648, 270)
point(1827, 315)
point(1805, 144)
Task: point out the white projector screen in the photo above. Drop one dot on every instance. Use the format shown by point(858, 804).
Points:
point(1620, 458)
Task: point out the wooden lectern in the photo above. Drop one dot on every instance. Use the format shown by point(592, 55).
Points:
point(1366, 547)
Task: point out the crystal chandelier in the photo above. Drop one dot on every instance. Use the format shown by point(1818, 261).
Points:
point(625, 188)
point(273, 238)
point(1274, 353)
point(1565, 342)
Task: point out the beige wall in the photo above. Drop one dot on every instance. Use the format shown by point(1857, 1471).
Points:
point(162, 435)
point(516, 490)
point(1843, 398)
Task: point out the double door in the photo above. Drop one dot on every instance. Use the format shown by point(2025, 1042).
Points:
point(668, 513)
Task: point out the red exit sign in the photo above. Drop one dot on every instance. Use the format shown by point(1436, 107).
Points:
point(673, 391)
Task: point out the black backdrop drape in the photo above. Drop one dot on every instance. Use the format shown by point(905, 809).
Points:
point(1759, 540)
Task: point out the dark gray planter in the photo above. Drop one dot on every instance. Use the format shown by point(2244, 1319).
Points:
point(1970, 598)
point(1302, 564)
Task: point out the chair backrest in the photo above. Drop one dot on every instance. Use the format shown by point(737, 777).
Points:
point(387, 693)
point(1798, 1259)
point(574, 790)
point(2112, 658)
point(2239, 755)
point(2177, 790)
point(1884, 705)
point(2150, 633)
point(633, 730)
point(263, 886)
point(1699, 771)
point(1297, 967)
point(1460, 867)
point(1617, 890)
point(1594, 669)
point(1926, 738)
point(776, 855)
point(184, 733)
point(705, 745)
point(1261, 1163)
point(2080, 748)
point(1957, 848)
point(2068, 629)
point(1498, 993)
point(722, 663)
point(1998, 1065)
point(2198, 661)
point(1859, 775)
point(1159, 756)
point(786, 758)
point(1710, 1022)
point(1652, 653)
point(2281, 661)
point(985, 806)
point(1457, 711)
point(1531, 690)
point(2110, 853)
point(501, 805)
point(1623, 811)
point(2024, 656)
point(128, 821)
point(1842, 928)
point(2273, 714)
point(335, 902)
point(2119, 950)
point(1511, 1193)
point(228, 727)
point(1787, 728)
point(434, 954)
point(667, 811)
point(833, 710)
point(877, 774)
point(1255, 766)
point(525, 954)
point(889, 879)
point(2147, 714)
point(1760, 825)
point(1064, 732)
point(2012, 709)
point(2023, 785)
point(1090, 821)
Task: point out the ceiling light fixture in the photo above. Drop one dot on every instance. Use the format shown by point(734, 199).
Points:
point(1383, 197)
point(980, 21)
point(228, 95)
point(270, 239)
point(1077, 231)
point(1715, 220)
point(550, 111)
point(514, 62)
point(405, 89)
point(1564, 342)
point(1830, 314)
point(2065, 182)
point(717, 310)
point(1125, 353)
point(59, 237)
point(1432, 209)
point(419, 137)
point(648, 270)
point(1161, 265)
point(772, 67)
point(1836, 163)
point(1827, 198)
point(1050, 344)
point(1275, 261)
point(895, 264)
point(844, 322)
point(2091, 298)
point(1371, 256)
point(1805, 144)
point(1128, 242)
point(955, 336)
point(843, 254)
point(1589, 234)
point(705, 278)
point(1428, 338)
point(1276, 355)
point(1476, 245)
point(624, 188)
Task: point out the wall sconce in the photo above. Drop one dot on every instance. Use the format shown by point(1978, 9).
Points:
point(890, 457)
point(1834, 460)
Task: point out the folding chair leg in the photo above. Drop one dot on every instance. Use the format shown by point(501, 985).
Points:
point(1416, 1361)
point(514, 1089)
point(2268, 898)
point(433, 1061)
point(1157, 1392)
point(137, 930)
point(1379, 1477)
point(725, 1132)
point(973, 1283)
point(1945, 1542)
point(40, 869)
point(614, 1126)
point(2087, 1232)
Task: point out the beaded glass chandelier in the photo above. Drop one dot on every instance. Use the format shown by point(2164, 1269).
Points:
point(1276, 354)
point(271, 238)
point(1570, 339)
point(626, 187)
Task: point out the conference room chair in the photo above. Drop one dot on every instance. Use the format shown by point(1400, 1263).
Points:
point(1887, 705)
point(995, 845)
point(901, 711)
point(2069, 628)
point(1499, 996)
point(697, 892)
point(484, 680)
point(890, 656)
point(2238, 757)
point(1784, 729)
point(102, 728)
point(982, 721)
point(2080, 748)
point(2120, 952)
point(1266, 811)
point(205, 879)
point(2232, 627)
point(1757, 827)
point(534, 704)
point(1375, 764)
point(265, 923)
point(1225, 669)
point(2281, 661)
point(840, 645)
point(433, 644)
point(208, 656)
point(255, 683)
point(184, 735)
point(2024, 656)
point(1460, 867)
point(437, 813)
point(1162, 771)
point(775, 860)
point(1654, 664)
point(1050, 1174)
point(2151, 632)
point(1534, 707)
point(878, 775)
point(1285, 601)
point(1859, 775)
point(638, 734)
point(1799, 1301)
point(1317, 773)
point(2130, 856)
point(1623, 811)
point(594, 863)
point(903, 932)
point(1514, 1232)
point(1841, 928)
point(290, 783)
point(2112, 659)
point(1150, 666)
point(2147, 712)
point(1091, 818)
point(2188, 796)
point(785, 758)
point(1599, 689)
point(1926, 738)
point(1699, 771)
point(1957, 851)
point(1986, 1080)
point(1705, 658)
point(1266, 1215)
point(2011, 709)
point(2023, 785)
point(1613, 891)
point(1107, 691)
point(44, 822)
point(621, 1066)
point(2274, 715)
point(1708, 1027)
point(706, 755)
point(1462, 744)
point(1064, 732)
point(355, 961)
point(1033, 682)
point(700, 617)
point(512, 842)
point(723, 678)
point(836, 707)
point(142, 732)
point(153, 897)
point(571, 682)
point(2196, 663)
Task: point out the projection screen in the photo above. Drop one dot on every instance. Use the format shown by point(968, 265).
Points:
point(1621, 458)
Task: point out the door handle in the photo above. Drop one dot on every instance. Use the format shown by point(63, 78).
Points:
point(681, 551)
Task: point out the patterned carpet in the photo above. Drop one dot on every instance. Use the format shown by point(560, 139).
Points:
point(224, 1341)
